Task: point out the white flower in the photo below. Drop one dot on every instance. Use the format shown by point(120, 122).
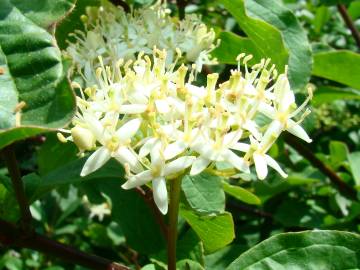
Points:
point(158, 124)
point(261, 160)
point(115, 34)
point(99, 211)
point(157, 173)
point(115, 143)
point(218, 151)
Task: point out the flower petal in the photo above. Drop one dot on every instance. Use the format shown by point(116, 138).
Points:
point(162, 106)
point(298, 131)
point(95, 126)
point(129, 129)
point(157, 159)
point(174, 149)
point(236, 161)
point(260, 166)
point(124, 155)
point(252, 127)
point(283, 95)
point(232, 137)
point(146, 148)
point(178, 165)
point(273, 164)
point(267, 110)
point(138, 180)
point(95, 161)
point(271, 134)
point(243, 147)
point(199, 165)
point(132, 108)
point(160, 194)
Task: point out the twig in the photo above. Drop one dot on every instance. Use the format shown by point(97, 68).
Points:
point(343, 187)
point(14, 171)
point(181, 4)
point(13, 236)
point(350, 24)
point(149, 200)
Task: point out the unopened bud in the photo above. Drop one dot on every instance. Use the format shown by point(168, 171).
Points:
point(83, 138)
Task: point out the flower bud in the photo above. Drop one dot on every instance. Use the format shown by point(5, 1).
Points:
point(83, 138)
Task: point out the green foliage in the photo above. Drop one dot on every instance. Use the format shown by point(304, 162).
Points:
point(215, 231)
point(286, 41)
point(338, 66)
point(241, 194)
point(35, 94)
point(304, 250)
point(9, 209)
point(326, 94)
point(72, 22)
point(231, 45)
point(44, 12)
point(204, 193)
point(354, 159)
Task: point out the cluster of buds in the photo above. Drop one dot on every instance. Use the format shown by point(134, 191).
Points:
point(158, 124)
point(113, 34)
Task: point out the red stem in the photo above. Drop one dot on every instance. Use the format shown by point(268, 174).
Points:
point(10, 235)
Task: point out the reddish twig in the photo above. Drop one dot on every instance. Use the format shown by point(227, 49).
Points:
point(10, 235)
point(343, 187)
point(350, 24)
point(14, 172)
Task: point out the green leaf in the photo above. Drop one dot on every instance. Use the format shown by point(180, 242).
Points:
point(310, 250)
point(241, 194)
point(149, 267)
point(223, 257)
point(338, 66)
point(32, 75)
point(268, 189)
point(204, 193)
point(44, 12)
point(73, 22)
point(68, 174)
point(354, 9)
point(258, 30)
point(215, 231)
point(9, 209)
point(338, 152)
point(230, 47)
point(354, 160)
point(322, 15)
point(47, 161)
point(327, 94)
point(277, 34)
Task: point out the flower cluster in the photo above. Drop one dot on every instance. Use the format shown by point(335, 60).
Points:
point(157, 123)
point(114, 34)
